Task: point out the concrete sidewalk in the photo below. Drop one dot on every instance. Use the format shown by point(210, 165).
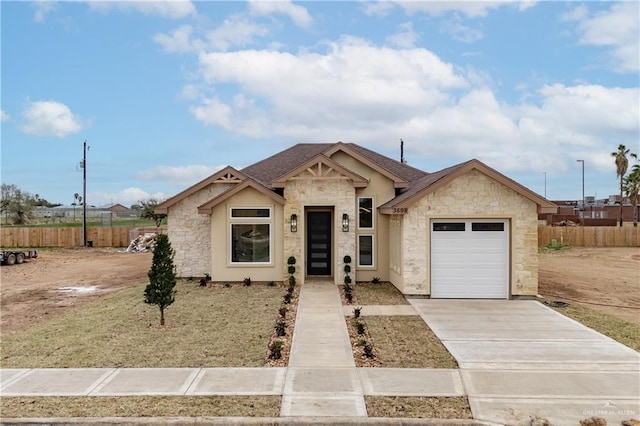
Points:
point(521, 359)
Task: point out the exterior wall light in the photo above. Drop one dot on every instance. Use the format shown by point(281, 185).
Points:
point(345, 222)
point(294, 223)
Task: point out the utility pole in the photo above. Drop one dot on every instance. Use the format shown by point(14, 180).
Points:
point(84, 195)
point(583, 203)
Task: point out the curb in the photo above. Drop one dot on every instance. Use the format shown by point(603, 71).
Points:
point(241, 421)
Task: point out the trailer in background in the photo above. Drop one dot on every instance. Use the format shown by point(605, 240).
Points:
point(13, 257)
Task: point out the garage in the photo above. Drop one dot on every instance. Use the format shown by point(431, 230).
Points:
point(470, 259)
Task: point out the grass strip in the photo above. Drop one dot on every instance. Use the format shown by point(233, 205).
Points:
point(206, 327)
point(418, 407)
point(141, 406)
point(407, 342)
point(379, 294)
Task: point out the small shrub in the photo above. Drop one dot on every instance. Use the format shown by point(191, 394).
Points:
point(290, 291)
point(347, 280)
point(283, 312)
point(357, 311)
point(287, 298)
point(375, 280)
point(359, 326)
point(275, 349)
point(366, 347)
point(247, 282)
point(291, 269)
point(368, 350)
point(292, 281)
point(291, 260)
point(347, 268)
point(349, 297)
point(347, 259)
point(281, 328)
point(205, 280)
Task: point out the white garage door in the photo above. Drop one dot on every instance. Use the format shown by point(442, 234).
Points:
point(470, 259)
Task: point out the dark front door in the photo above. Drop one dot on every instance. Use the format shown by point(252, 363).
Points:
point(318, 243)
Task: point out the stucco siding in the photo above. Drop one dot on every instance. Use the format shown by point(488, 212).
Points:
point(220, 256)
point(381, 189)
point(472, 195)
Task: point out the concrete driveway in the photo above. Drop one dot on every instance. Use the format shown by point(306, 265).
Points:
point(520, 360)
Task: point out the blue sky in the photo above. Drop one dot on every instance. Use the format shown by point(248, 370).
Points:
point(167, 92)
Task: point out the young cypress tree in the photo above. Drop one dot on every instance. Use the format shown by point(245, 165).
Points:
point(162, 276)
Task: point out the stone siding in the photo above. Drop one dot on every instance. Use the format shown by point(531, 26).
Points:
point(190, 232)
point(473, 195)
point(337, 194)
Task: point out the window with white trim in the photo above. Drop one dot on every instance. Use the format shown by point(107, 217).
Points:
point(251, 238)
point(365, 250)
point(365, 212)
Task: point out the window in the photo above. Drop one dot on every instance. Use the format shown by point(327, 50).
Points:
point(251, 213)
point(250, 235)
point(487, 226)
point(365, 250)
point(449, 226)
point(365, 212)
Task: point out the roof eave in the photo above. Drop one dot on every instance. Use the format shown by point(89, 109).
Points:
point(207, 208)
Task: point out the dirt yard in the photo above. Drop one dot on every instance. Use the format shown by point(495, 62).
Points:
point(605, 279)
point(63, 279)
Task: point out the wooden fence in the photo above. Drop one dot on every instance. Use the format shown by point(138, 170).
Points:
point(69, 237)
point(588, 236)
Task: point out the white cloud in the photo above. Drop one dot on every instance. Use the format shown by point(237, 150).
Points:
point(50, 118)
point(126, 197)
point(236, 30)
point(174, 9)
point(405, 37)
point(179, 40)
point(298, 14)
point(4, 116)
point(187, 175)
point(42, 8)
point(377, 8)
point(617, 28)
point(460, 31)
point(375, 95)
point(352, 84)
point(472, 9)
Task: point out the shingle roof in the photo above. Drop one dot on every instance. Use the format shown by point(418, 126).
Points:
point(267, 170)
point(422, 183)
point(405, 171)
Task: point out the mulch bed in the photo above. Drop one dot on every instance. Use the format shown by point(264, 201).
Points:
point(289, 320)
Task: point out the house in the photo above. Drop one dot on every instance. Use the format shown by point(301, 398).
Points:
point(463, 232)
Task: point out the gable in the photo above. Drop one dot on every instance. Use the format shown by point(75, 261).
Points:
point(224, 176)
point(438, 180)
point(207, 208)
point(322, 168)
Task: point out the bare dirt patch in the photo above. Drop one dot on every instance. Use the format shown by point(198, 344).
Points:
point(63, 279)
point(603, 279)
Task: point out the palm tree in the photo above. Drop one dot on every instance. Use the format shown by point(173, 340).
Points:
point(622, 164)
point(632, 189)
